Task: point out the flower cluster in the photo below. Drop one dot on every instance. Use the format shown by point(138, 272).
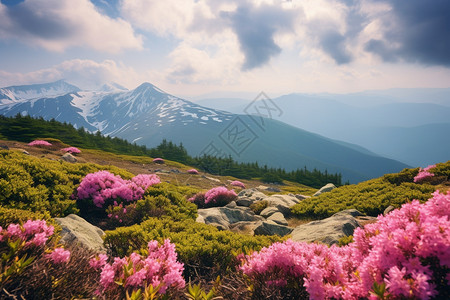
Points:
point(192, 171)
point(237, 183)
point(39, 143)
point(405, 254)
point(159, 268)
point(73, 150)
point(158, 160)
point(59, 256)
point(103, 185)
point(424, 173)
point(219, 195)
point(32, 233)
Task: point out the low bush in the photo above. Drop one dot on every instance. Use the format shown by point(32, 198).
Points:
point(258, 206)
point(202, 248)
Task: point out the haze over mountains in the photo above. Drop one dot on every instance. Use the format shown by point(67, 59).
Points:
point(403, 124)
point(146, 115)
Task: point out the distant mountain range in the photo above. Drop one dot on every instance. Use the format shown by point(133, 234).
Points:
point(146, 115)
point(409, 125)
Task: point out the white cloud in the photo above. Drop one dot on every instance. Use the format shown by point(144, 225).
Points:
point(59, 24)
point(86, 74)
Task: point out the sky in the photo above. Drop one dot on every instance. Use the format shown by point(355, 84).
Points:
point(192, 48)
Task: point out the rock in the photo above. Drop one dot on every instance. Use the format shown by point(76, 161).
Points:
point(271, 228)
point(326, 188)
point(283, 203)
point(226, 216)
point(278, 218)
point(352, 212)
point(253, 194)
point(4, 147)
point(244, 201)
point(23, 151)
point(200, 219)
point(69, 158)
point(301, 197)
point(273, 189)
point(232, 204)
point(388, 210)
point(245, 227)
point(328, 230)
point(268, 211)
point(77, 230)
point(262, 187)
point(176, 171)
point(211, 178)
point(248, 196)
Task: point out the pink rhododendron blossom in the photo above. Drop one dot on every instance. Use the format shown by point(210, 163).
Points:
point(158, 160)
point(192, 171)
point(39, 143)
point(238, 184)
point(60, 255)
point(158, 268)
point(103, 186)
point(397, 252)
point(72, 150)
point(98, 261)
point(219, 193)
point(424, 173)
point(33, 232)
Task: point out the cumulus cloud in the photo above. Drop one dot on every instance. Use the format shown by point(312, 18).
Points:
point(414, 31)
point(255, 27)
point(86, 74)
point(58, 24)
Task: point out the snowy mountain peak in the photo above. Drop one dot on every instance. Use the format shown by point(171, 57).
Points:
point(14, 94)
point(112, 87)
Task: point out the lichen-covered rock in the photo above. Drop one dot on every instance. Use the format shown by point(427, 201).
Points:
point(326, 188)
point(69, 158)
point(226, 216)
point(268, 211)
point(278, 218)
point(272, 228)
point(283, 203)
point(76, 230)
point(328, 230)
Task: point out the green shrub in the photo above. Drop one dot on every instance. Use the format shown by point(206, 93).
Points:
point(40, 185)
point(198, 245)
point(371, 197)
point(19, 216)
point(258, 206)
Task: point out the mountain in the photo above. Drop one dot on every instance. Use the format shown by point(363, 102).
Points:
point(146, 115)
point(14, 94)
point(382, 121)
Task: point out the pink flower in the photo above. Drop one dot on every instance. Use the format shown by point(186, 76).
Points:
point(98, 261)
point(238, 184)
point(72, 150)
point(424, 173)
point(158, 160)
point(39, 143)
point(59, 255)
point(192, 171)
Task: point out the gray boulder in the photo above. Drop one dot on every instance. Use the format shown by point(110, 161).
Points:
point(69, 158)
point(226, 216)
point(326, 188)
point(283, 203)
point(245, 227)
point(248, 196)
point(328, 230)
point(301, 197)
point(278, 218)
point(268, 211)
point(272, 228)
point(76, 230)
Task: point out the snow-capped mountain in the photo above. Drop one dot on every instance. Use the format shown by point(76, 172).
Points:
point(146, 115)
point(14, 94)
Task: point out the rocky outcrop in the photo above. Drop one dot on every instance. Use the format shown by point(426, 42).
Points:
point(272, 228)
point(328, 230)
point(282, 202)
point(223, 217)
point(69, 158)
point(278, 218)
point(326, 188)
point(76, 230)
